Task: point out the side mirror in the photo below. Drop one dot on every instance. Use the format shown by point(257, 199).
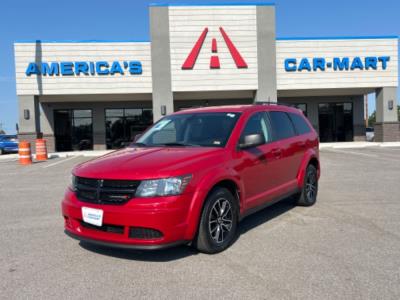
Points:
point(252, 140)
point(137, 136)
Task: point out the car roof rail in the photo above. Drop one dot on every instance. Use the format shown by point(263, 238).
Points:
point(274, 103)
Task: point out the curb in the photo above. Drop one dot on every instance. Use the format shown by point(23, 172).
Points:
point(357, 145)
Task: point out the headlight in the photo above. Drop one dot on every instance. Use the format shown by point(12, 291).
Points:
point(73, 183)
point(163, 187)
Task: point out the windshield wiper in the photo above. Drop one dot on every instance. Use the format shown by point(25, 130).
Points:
point(177, 144)
point(138, 145)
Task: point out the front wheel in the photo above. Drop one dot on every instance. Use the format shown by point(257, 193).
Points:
point(218, 223)
point(308, 194)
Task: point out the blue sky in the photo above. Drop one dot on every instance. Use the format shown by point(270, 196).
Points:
point(128, 20)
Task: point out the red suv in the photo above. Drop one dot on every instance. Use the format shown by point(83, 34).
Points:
point(192, 176)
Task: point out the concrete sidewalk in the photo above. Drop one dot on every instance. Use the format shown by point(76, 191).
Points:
point(354, 145)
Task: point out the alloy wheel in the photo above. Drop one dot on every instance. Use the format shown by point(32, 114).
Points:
point(220, 220)
point(311, 186)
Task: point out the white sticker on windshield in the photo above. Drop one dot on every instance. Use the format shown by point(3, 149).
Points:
point(160, 125)
point(231, 115)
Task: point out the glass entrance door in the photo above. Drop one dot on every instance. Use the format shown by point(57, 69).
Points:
point(335, 122)
point(73, 129)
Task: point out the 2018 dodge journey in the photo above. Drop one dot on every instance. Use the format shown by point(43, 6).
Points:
point(192, 176)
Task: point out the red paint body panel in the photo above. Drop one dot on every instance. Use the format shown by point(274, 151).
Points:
point(261, 174)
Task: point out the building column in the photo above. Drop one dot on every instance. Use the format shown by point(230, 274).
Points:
point(47, 126)
point(266, 54)
point(387, 126)
point(358, 119)
point(99, 128)
point(163, 101)
point(29, 119)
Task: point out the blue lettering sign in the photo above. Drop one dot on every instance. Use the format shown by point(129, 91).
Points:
point(357, 64)
point(135, 67)
point(304, 65)
point(341, 64)
point(51, 70)
point(81, 67)
point(371, 62)
point(337, 63)
point(290, 64)
point(384, 60)
point(78, 68)
point(319, 63)
point(99, 68)
point(32, 69)
point(66, 68)
point(116, 68)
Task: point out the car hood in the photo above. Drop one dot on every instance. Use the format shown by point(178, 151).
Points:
point(148, 163)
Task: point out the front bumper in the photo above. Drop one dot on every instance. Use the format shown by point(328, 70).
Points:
point(168, 215)
point(124, 246)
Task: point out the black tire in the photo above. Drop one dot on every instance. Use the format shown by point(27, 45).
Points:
point(214, 233)
point(309, 191)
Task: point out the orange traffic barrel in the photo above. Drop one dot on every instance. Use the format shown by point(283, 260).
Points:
point(24, 153)
point(41, 149)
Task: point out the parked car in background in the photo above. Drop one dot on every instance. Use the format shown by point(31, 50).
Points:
point(192, 176)
point(369, 134)
point(8, 144)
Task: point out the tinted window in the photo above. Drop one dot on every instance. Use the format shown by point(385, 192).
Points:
point(282, 127)
point(300, 124)
point(257, 124)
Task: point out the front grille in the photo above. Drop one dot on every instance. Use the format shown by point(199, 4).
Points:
point(105, 191)
point(144, 233)
point(104, 227)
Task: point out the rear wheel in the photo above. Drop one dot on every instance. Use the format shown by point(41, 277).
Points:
point(218, 223)
point(309, 191)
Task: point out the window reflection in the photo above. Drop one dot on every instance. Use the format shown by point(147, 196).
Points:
point(122, 125)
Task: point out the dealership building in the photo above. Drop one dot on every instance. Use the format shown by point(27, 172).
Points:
point(99, 94)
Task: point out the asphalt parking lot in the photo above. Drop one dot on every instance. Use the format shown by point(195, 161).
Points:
point(347, 246)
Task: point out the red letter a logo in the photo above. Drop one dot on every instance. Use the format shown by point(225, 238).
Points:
point(214, 61)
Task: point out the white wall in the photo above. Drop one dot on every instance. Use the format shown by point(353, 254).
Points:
point(186, 25)
point(84, 84)
point(336, 48)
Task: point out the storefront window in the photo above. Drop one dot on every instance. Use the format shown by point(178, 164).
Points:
point(302, 107)
point(73, 129)
point(122, 125)
point(335, 122)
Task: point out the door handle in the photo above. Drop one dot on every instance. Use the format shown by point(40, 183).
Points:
point(302, 144)
point(277, 152)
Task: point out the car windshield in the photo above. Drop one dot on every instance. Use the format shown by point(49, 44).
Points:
point(10, 138)
point(192, 129)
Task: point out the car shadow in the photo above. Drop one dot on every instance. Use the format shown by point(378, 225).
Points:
point(265, 215)
point(179, 252)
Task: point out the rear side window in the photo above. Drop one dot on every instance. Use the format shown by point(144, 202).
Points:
point(300, 124)
point(282, 127)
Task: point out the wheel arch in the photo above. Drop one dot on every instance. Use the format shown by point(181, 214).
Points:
point(198, 204)
point(309, 158)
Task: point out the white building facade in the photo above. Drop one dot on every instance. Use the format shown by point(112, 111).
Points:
point(98, 95)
